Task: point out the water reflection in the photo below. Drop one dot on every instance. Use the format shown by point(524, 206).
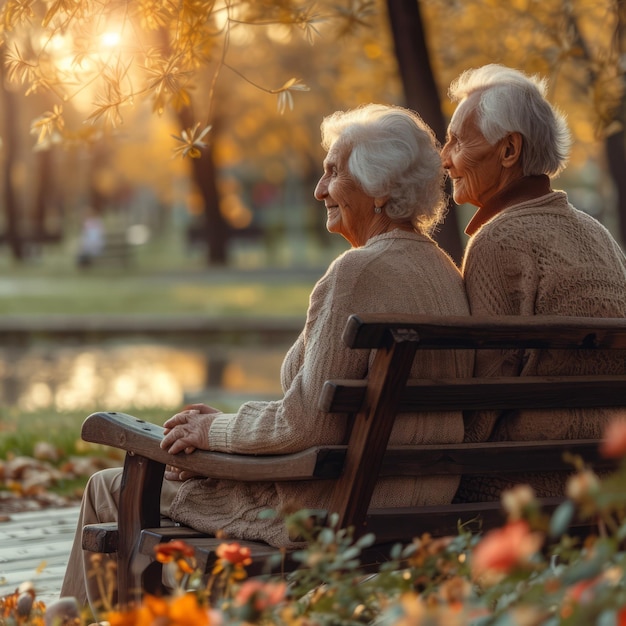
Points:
point(137, 376)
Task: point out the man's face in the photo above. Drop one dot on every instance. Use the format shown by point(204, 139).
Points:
point(473, 164)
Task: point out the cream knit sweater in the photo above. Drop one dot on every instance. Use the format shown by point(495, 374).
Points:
point(396, 272)
point(541, 257)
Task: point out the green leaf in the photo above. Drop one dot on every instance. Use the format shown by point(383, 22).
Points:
point(561, 518)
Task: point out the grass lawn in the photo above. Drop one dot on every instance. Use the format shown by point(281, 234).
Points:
point(21, 434)
point(104, 293)
point(165, 279)
point(31, 290)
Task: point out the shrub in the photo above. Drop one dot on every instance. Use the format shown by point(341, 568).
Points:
point(532, 571)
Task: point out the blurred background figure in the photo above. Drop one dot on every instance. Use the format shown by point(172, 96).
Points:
point(91, 241)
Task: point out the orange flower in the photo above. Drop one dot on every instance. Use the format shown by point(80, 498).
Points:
point(151, 609)
point(176, 551)
point(234, 554)
point(21, 607)
point(180, 610)
point(614, 443)
point(123, 618)
point(167, 552)
point(503, 549)
point(232, 559)
point(185, 610)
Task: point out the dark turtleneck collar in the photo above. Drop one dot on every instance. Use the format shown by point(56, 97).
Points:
point(520, 190)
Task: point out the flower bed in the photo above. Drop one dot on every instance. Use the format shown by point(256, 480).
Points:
point(528, 572)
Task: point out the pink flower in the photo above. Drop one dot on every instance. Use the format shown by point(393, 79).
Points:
point(234, 554)
point(614, 443)
point(503, 549)
point(261, 595)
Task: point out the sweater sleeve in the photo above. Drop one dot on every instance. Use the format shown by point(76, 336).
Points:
point(295, 422)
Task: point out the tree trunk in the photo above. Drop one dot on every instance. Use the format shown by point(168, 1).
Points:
point(10, 136)
point(615, 143)
point(615, 146)
point(44, 197)
point(421, 94)
point(216, 228)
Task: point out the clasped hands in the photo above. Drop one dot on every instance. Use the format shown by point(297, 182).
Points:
point(187, 431)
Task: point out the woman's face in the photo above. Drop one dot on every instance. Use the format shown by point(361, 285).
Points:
point(350, 211)
point(474, 165)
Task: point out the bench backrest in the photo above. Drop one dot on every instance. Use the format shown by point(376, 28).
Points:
point(376, 401)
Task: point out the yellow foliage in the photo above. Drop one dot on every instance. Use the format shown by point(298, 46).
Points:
point(571, 43)
point(233, 64)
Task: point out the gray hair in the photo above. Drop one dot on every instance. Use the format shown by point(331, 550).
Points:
point(393, 153)
point(511, 101)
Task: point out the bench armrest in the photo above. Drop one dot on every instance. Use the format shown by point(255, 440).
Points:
point(141, 438)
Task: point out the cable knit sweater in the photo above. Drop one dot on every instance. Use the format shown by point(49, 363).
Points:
point(540, 257)
point(396, 272)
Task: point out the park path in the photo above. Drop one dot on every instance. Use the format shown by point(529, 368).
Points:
point(34, 546)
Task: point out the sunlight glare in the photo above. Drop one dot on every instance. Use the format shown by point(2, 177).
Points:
point(279, 33)
point(56, 42)
point(110, 39)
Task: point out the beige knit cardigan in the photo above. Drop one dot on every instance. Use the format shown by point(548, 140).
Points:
point(541, 257)
point(396, 272)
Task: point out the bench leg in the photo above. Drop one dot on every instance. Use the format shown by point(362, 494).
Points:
point(139, 508)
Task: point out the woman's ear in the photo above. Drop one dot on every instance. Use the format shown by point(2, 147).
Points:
point(380, 200)
point(512, 149)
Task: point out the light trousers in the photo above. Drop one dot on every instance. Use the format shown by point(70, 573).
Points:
point(99, 505)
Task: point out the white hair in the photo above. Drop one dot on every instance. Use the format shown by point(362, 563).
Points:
point(511, 101)
point(393, 153)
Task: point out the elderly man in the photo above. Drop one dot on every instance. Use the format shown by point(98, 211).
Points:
point(530, 252)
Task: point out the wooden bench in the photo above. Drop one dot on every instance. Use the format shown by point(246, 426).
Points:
point(374, 404)
point(117, 250)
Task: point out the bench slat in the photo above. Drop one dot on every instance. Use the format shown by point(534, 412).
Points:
point(514, 331)
point(395, 525)
point(476, 458)
point(455, 394)
point(491, 458)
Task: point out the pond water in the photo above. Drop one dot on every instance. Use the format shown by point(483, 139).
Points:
point(135, 376)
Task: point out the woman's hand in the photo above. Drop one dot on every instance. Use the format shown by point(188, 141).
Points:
point(189, 429)
point(175, 473)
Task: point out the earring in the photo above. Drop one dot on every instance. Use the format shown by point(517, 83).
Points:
point(378, 209)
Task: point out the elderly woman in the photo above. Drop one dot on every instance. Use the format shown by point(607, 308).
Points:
point(382, 188)
point(530, 251)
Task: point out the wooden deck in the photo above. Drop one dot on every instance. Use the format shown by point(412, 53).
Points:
point(34, 547)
